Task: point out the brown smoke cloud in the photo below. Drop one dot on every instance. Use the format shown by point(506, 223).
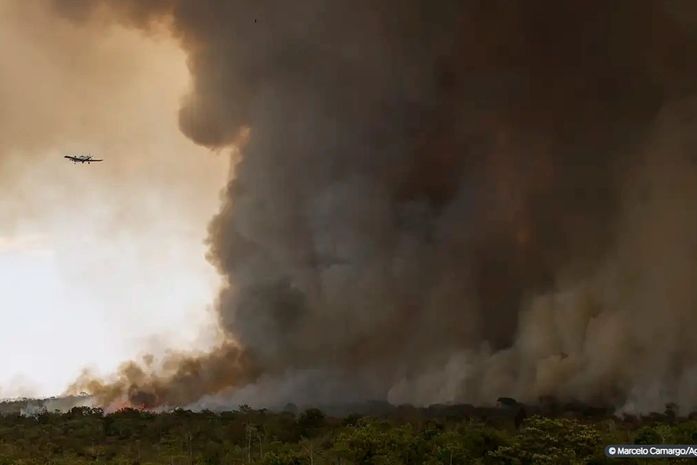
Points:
point(447, 202)
point(180, 378)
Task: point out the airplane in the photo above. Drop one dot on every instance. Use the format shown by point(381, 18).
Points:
point(82, 158)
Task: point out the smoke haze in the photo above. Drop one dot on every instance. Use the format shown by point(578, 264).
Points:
point(440, 202)
point(98, 262)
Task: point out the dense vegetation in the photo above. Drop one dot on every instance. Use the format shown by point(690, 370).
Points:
point(410, 436)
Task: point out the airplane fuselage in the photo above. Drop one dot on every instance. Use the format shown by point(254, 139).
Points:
point(81, 159)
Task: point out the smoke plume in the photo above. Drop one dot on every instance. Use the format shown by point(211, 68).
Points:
point(443, 201)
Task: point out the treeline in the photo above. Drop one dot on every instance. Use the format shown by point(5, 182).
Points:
point(248, 436)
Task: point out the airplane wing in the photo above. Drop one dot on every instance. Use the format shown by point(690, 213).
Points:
point(82, 159)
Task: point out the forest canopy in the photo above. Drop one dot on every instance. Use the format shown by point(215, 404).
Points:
point(406, 435)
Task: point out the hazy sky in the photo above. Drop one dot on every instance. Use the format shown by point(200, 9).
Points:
point(98, 263)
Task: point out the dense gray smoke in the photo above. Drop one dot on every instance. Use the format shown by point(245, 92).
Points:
point(445, 201)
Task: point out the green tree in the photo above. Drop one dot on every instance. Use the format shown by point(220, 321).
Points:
point(543, 441)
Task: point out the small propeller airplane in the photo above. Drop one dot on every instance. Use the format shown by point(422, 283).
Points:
point(82, 158)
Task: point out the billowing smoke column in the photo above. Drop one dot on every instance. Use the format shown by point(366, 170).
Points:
point(443, 201)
